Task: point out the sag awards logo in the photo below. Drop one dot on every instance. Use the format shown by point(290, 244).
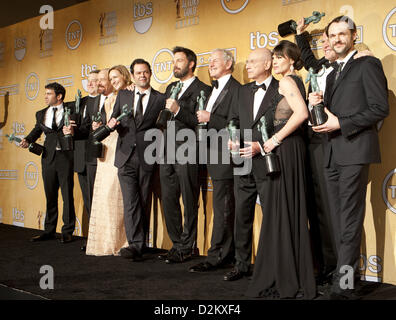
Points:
point(389, 190)
point(142, 16)
point(66, 81)
point(18, 217)
point(74, 34)
point(389, 29)
point(46, 38)
point(234, 6)
point(19, 48)
point(107, 26)
point(85, 70)
point(186, 13)
point(31, 175)
point(32, 86)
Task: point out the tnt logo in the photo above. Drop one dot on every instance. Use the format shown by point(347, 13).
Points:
point(85, 70)
point(389, 190)
point(73, 34)
point(389, 29)
point(18, 217)
point(31, 175)
point(163, 65)
point(234, 6)
point(32, 86)
point(142, 16)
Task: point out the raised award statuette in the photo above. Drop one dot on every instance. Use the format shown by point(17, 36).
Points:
point(66, 141)
point(233, 133)
point(318, 115)
point(201, 106)
point(290, 27)
point(271, 159)
point(33, 147)
point(165, 114)
point(104, 131)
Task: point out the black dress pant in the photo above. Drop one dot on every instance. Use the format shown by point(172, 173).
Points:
point(57, 174)
point(180, 179)
point(135, 187)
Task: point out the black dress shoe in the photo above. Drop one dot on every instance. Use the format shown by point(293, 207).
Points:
point(131, 253)
point(177, 257)
point(43, 237)
point(202, 267)
point(66, 238)
point(234, 274)
point(84, 246)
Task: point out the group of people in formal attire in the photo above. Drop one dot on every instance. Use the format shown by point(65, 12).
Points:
point(312, 209)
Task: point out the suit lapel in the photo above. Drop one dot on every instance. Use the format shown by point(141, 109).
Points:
point(266, 103)
point(150, 103)
point(221, 96)
point(249, 103)
point(343, 73)
point(189, 90)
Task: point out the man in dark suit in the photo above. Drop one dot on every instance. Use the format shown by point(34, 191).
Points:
point(254, 99)
point(86, 169)
point(178, 176)
point(216, 113)
point(134, 172)
point(357, 98)
point(57, 165)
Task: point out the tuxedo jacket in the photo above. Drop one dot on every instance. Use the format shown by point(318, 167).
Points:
point(359, 98)
point(131, 137)
point(52, 137)
point(218, 121)
point(187, 117)
point(242, 114)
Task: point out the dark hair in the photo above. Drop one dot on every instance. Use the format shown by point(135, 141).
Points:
point(290, 50)
point(58, 89)
point(191, 56)
point(139, 61)
point(349, 21)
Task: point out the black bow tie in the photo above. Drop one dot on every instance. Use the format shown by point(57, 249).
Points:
point(255, 87)
point(215, 84)
point(329, 64)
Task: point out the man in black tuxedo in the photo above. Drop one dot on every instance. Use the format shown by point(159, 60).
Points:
point(134, 172)
point(86, 169)
point(217, 109)
point(254, 99)
point(57, 165)
point(181, 177)
point(357, 98)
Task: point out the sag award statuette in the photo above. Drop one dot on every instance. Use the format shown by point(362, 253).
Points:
point(33, 147)
point(201, 106)
point(318, 115)
point(233, 133)
point(271, 159)
point(165, 114)
point(66, 141)
point(95, 148)
point(104, 131)
point(289, 27)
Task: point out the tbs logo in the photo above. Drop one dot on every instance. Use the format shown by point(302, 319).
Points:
point(85, 70)
point(142, 16)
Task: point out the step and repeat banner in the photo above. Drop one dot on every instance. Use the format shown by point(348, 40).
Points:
point(102, 33)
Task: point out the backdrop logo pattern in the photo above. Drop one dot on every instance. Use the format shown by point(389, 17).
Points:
point(46, 38)
point(19, 48)
point(389, 190)
point(389, 29)
point(203, 58)
point(2, 50)
point(31, 175)
point(8, 174)
point(32, 86)
point(74, 34)
point(85, 70)
point(186, 13)
point(66, 81)
point(18, 217)
point(316, 38)
point(262, 40)
point(287, 2)
point(142, 16)
point(108, 28)
point(234, 6)
point(12, 89)
point(162, 65)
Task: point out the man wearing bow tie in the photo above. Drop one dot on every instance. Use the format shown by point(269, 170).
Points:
point(356, 98)
point(224, 91)
point(57, 165)
point(254, 99)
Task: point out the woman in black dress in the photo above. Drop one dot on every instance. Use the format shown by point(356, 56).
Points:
point(283, 267)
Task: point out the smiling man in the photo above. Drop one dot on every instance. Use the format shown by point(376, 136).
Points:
point(356, 98)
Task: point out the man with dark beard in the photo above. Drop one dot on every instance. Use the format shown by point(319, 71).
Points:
point(180, 177)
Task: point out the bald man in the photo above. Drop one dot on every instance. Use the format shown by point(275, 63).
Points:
point(254, 100)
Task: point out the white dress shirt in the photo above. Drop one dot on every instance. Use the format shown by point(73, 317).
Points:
point(259, 96)
point(49, 114)
point(145, 100)
point(216, 91)
point(185, 86)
